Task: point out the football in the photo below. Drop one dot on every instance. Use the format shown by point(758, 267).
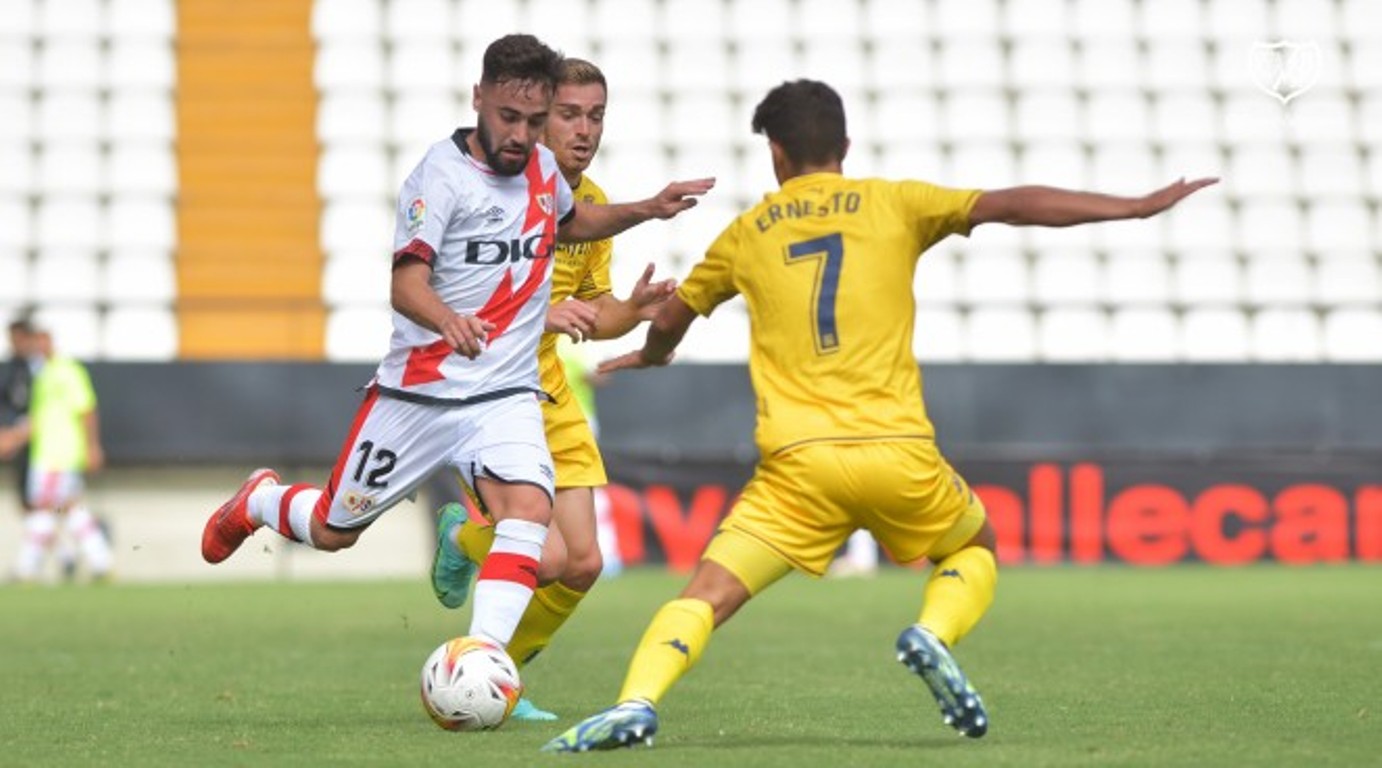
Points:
point(470, 684)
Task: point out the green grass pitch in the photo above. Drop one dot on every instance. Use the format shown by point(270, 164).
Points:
point(1079, 666)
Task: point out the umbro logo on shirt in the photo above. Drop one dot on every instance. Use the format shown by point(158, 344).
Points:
point(494, 215)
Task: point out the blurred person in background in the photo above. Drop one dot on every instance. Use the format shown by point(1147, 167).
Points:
point(64, 444)
point(826, 265)
point(583, 306)
point(16, 390)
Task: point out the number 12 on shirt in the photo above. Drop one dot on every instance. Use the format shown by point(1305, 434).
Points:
point(830, 248)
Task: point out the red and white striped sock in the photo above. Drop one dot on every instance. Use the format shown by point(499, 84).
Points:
point(285, 508)
point(507, 579)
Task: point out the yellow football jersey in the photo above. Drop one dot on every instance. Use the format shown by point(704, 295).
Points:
point(826, 267)
point(582, 272)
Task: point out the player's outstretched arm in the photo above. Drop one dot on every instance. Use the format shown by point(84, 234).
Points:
point(596, 222)
point(664, 334)
point(1053, 207)
point(412, 296)
point(617, 317)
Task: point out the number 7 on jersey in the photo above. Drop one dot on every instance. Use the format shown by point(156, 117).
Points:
point(832, 248)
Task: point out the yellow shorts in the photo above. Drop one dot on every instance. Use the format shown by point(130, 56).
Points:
point(572, 443)
point(802, 505)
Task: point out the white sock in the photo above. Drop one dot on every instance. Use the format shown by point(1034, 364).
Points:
point(40, 527)
point(83, 528)
point(507, 579)
point(286, 509)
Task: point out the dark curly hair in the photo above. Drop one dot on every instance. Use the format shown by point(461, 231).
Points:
point(806, 118)
point(523, 58)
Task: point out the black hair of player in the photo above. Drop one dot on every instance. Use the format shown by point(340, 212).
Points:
point(807, 119)
point(522, 58)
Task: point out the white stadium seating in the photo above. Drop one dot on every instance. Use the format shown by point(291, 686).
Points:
point(1281, 262)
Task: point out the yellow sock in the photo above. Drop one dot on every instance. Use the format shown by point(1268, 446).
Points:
point(550, 607)
point(475, 540)
point(958, 593)
point(671, 645)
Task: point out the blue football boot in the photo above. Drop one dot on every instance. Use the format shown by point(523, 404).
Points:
point(960, 705)
point(625, 725)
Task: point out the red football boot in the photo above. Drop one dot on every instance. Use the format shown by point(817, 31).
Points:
point(230, 525)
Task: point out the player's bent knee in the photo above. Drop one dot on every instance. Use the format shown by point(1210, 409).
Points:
point(332, 539)
point(582, 571)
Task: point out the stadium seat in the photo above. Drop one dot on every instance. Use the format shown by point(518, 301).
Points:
point(1207, 224)
point(904, 118)
point(21, 21)
point(147, 223)
point(1109, 65)
point(1214, 335)
point(975, 115)
point(1103, 20)
point(16, 223)
point(358, 224)
point(421, 118)
point(1285, 335)
point(1238, 24)
point(762, 65)
point(1325, 117)
point(80, 21)
point(15, 286)
point(427, 66)
point(1137, 278)
point(1124, 169)
point(563, 24)
point(698, 68)
point(1115, 238)
point(18, 161)
point(893, 21)
point(938, 335)
point(16, 64)
point(357, 334)
point(1365, 65)
point(140, 115)
point(1184, 116)
point(900, 64)
point(620, 20)
point(1261, 170)
point(1347, 278)
point(994, 277)
point(352, 117)
point(1117, 116)
point(71, 167)
point(1144, 335)
point(697, 22)
point(628, 171)
point(820, 23)
point(1269, 224)
point(348, 66)
point(66, 277)
point(356, 278)
point(1339, 225)
point(1042, 65)
point(968, 64)
point(1054, 163)
point(139, 333)
point(17, 129)
point(1000, 335)
point(141, 20)
point(1353, 335)
point(1305, 20)
point(966, 19)
point(758, 22)
point(1036, 19)
point(1169, 20)
point(412, 22)
point(1067, 278)
point(75, 329)
point(690, 236)
point(141, 64)
point(138, 276)
point(1280, 278)
point(70, 65)
point(1253, 118)
point(1191, 159)
point(1205, 279)
point(842, 64)
point(922, 161)
point(354, 171)
point(1074, 334)
point(937, 280)
point(337, 20)
point(633, 68)
point(1357, 21)
point(1045, 114)
point(986, 165)
point(75, 115)
point(140, 168)
point(1176, 66)
point(1331, 170)
point(53, 222)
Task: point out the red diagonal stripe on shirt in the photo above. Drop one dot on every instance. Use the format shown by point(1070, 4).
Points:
point(424, 363)
point(503, 305)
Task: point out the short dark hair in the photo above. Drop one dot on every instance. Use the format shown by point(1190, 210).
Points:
point(23, 323)
point(806, 118)
point(523, 58)
point(576, 71)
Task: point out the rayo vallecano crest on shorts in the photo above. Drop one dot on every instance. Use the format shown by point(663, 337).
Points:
point(416, 215)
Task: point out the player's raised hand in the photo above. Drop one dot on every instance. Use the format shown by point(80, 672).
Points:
point(631, 361)
point(1169, 195)
point(573, 318)
point(466, 334)
point(679, 196)
point(647, 296)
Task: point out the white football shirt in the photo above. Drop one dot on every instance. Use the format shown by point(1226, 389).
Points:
point(489, 239)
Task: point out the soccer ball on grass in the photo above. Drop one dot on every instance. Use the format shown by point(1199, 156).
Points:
point(470, 684)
